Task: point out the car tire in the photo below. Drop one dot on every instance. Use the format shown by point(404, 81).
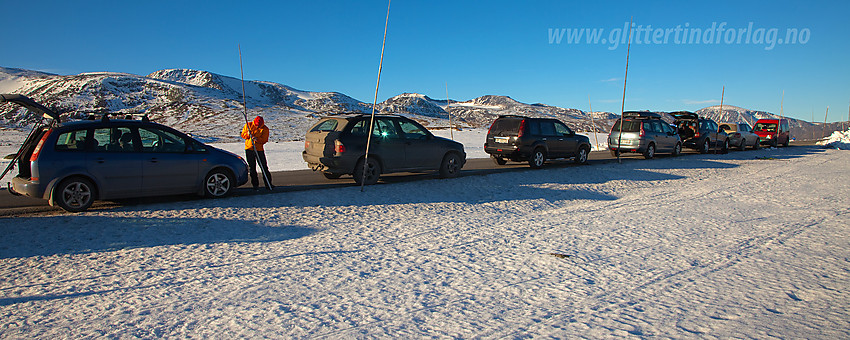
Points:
point(373, 172)
point(705, 145)
point(786, 142)
point(581, 157)
point(329, 175)
point(499, 160)
point(615, 153)
point(450, 167)
point(74, 194)
point(725, 148)
point(677, 150)
point(218, 183)
point(538, 157)
point(743, 145)
point(650, 151)
point(757, 145)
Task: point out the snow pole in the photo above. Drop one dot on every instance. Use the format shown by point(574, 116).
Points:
point(722, 92)
point(823, 134)
point(779, 123)
point(375, 103)
point(592, 124)
point(448, 104)
point(245, 115)
point(625, 78)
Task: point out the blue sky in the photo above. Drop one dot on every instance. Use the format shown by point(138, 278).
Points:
point(476, 47)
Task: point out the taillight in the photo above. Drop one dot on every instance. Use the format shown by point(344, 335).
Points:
point(306, 145)
point(738, 135)
point(696, 134)
point(642, 133)
point(38, 147)
point(521, 128)
point(338, 147)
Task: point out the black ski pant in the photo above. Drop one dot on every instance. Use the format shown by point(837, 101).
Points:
point(252, 158)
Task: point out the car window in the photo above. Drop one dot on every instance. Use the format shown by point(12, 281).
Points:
point(547, 128)
point(505, 126)
point(71, 141)
point(325, 126)
point(628, 126)
point(157, 140)
point(114, 139)
point(562, 130)
point(412, 131)
point(384, 128)
point(532, 128)
point(744, 127)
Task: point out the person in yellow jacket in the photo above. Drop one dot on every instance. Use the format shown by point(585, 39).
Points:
point(256, 134)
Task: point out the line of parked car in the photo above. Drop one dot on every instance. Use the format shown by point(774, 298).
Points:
point(72, 164)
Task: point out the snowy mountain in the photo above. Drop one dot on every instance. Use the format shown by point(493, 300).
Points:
point(209, 105)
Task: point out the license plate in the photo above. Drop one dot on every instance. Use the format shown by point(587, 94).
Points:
point(501, 139)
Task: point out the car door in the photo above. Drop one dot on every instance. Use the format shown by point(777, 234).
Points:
point(117, 168)
point(388, 144)
point(567, 139)
point(421, 151)
point(167, 165)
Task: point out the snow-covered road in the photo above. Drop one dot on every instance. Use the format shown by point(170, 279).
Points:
point(751, 244)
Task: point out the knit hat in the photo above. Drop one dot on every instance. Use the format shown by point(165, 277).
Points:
point(258, 121)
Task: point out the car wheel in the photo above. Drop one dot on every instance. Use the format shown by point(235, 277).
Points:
point(373, 172)
point(218, 183)
point(757, 145)
point(677, 150)
point(450, 166)
point(743, 145)
point(725, 146)
point(786, 142)
point(538, 157)
point(329, 175)
point(581, 157)
point(615, 153)
point(650, 151)
point(74, 194)
point(705, 145)
point(499, 160)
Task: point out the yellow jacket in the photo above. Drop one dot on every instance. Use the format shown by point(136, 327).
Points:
point(260, 134)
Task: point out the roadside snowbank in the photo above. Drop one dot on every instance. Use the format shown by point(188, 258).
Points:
point(838, 140)
point(745, 245)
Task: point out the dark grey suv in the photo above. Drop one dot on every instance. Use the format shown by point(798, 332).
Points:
point(72, 164)
point(336, 146)
point(520, 138)
point(700, 133)
point(645, 133)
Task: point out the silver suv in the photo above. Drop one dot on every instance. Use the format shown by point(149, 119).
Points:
point(643, 132)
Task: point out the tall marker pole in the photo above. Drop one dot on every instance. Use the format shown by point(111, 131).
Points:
point(722, 93)
point(245, 114)
point(625, 78)
point(592, 124)
point(448, 104)
point(375, 103)
point(823, 134)
point(779, 123)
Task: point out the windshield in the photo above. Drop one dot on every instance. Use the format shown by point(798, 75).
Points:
point(628, 126)
point(769, 127)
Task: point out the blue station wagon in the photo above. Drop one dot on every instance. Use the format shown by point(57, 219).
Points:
point(72, 164)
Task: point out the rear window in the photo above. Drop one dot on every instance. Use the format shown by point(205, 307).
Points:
point(71, 141)
point(628, 126)
point(326, 126)
point(769, 127)
point(505, 126)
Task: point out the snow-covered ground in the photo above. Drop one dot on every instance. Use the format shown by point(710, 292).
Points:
point(750, 244)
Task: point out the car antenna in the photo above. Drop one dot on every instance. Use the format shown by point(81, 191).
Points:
point(372, 120)
point(245, 114)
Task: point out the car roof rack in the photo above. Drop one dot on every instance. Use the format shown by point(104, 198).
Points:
point(641, 114)
point(104, 116)
point(512, 116)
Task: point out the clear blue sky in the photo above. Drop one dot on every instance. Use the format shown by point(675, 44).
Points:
point(477, 47)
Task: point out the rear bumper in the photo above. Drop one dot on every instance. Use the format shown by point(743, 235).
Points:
point(29, 188)
point(624, 146)
point(333, 165)
point(507, 151)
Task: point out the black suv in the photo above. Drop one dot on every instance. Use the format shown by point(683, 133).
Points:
point(519, 138)
point(700, 133)
point(336, 146)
